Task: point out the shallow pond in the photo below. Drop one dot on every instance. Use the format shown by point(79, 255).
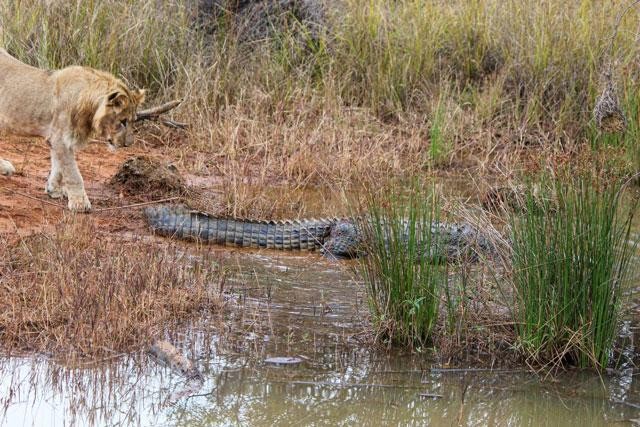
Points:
point(308, 307)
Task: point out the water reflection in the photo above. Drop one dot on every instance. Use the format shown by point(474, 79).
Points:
point(257, 398)
point(384, 392)
point(304, 306)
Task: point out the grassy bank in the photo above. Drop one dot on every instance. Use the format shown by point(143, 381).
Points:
point(74, 293)
point(391, 88)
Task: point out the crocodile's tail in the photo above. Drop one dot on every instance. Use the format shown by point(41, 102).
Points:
point(178, 221)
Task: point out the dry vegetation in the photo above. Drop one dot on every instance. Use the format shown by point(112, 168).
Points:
point(76, 293)
point(390, 89)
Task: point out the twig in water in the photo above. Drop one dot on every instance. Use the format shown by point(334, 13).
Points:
point(629, 404)
point(465, 387)
point(465, 370)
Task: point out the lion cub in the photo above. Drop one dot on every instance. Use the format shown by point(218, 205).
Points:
point(66, 107)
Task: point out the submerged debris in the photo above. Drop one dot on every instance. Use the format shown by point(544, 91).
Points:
point(283, 361)
point(142, 174)
point(167, 354)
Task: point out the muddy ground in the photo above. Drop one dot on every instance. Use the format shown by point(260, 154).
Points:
point(25, 208)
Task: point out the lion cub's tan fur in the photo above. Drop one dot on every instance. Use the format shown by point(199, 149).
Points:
point(66, 107)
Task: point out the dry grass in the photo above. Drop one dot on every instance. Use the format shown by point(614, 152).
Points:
point(75, 294)
point(393, 89)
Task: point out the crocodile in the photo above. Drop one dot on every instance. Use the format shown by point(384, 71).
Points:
point(337, 237)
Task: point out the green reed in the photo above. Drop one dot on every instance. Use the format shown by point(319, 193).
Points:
point(404, 270)
point(571, 260)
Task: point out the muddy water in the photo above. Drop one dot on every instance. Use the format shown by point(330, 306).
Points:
point(312, 309)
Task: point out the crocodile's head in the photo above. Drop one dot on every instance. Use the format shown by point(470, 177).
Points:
point(344, 241)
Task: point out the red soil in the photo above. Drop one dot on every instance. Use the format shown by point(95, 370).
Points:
point(25, 208)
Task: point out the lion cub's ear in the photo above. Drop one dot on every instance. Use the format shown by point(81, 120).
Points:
point(117, 99)
point(139, 95)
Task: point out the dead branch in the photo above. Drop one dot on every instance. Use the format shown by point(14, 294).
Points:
point(154, 113)
point(173, 124)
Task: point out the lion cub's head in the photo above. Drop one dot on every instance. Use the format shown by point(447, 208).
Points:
point(115, 116)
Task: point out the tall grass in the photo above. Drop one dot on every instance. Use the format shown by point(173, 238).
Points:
point(404, 270)
point(571, 261)
point(439, 145)
point(389, 88)
point(144, 41)
point(548, 55)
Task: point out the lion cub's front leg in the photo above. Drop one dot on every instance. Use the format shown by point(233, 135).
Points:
point(65, 176)
point(54, 183)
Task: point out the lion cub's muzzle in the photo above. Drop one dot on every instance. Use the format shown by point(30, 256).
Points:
point(123, 137)
point(129, 139)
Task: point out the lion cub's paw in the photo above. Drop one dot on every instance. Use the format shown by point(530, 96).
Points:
point(79, 204)
point(53, 192)
point(6, 168)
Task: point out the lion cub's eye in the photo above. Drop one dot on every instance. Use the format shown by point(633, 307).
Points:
point(123, 123)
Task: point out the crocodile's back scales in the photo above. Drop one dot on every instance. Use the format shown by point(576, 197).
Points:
point(341, 238)
point(308, 234)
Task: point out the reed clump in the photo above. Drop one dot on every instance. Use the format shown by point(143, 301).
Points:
point(404, 269)
point(571, 263)
point(72, 293)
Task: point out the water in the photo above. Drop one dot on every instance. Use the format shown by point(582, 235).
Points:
point(387, 393)
point(302, 305)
